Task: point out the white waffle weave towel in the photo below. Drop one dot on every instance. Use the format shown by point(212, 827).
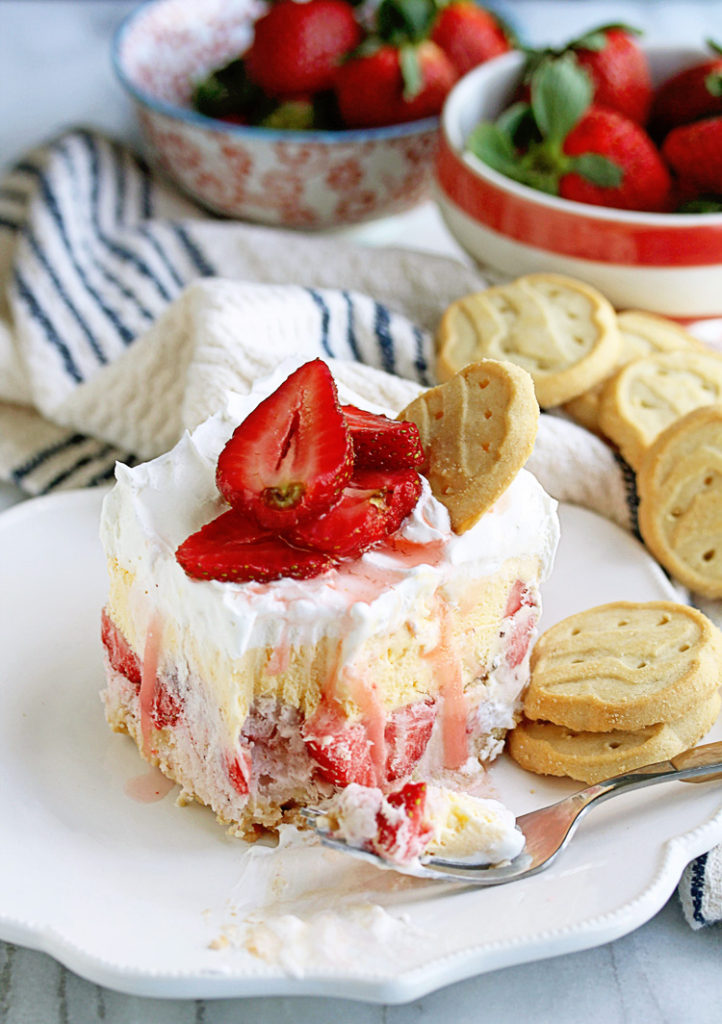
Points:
point(125, 316)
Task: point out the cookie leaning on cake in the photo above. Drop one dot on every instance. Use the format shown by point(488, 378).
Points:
point(634, 378)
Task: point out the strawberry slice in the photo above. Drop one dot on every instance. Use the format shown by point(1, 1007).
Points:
point(232, 548)
point(374, 505)
point(342, 750)
point(403, 840)
point(381, 443)
point(120, 654)
point(292, 456)
point(407, 734)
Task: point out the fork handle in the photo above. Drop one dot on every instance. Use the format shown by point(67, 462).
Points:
point(700, 757)
point(699, 764)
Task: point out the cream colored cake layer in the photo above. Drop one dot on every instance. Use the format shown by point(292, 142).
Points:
point(450, 631)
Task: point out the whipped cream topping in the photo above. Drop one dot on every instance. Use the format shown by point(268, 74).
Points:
point(156, 505)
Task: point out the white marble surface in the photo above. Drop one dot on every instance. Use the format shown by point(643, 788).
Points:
point(55, 72)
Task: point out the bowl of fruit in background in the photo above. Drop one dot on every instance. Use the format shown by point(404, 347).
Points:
point(609, 174)
point(313, 114)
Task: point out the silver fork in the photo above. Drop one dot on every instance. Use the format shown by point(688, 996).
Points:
point(547, 830)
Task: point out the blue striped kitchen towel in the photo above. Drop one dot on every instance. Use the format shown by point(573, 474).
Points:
point(127, 313)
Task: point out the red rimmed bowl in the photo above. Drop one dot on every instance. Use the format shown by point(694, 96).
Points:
point(663, 262)
point(306, 179)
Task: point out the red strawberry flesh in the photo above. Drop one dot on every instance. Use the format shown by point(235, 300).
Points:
point(407, 734)
point(121, 655)
point(383, 443)
point(292, 456)
point(233, 549)
point(372, 507)
point(341, 749)
point(297, 46)
point(403, 837)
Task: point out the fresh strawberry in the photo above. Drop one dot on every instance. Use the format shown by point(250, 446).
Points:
point(341, 750)
point(616, 64)
point(389, 84)
point(372, 506)
point(579, 151)
point(645, 181)
point(120, 654)
point(407, 734)
point(691, 94)
point(232, 548)
point(381, 443)
point(292, 456)
point(468, 35)
point(297, 46)
point(694, 152)
point(403, 840)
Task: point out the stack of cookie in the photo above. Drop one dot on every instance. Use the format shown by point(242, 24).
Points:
point(640, 381)
point(617, 687)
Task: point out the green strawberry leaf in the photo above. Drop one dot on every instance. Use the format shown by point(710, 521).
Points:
point(597, 169)
point(511, 120)
point(713, 83)
point(227, 90)
point(714, 46)
point(405, 21)
point(561, 91)
point(701, 205)
point(596, 39)
point(410, 72)
point(494, 147)
point(294, 115)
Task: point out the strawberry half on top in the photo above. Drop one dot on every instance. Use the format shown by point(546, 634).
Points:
point(292, 456)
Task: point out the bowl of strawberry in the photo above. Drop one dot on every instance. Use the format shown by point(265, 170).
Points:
point(602, 160)
point(299, 113)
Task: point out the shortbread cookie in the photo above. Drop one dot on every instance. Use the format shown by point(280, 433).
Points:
point(649, 394)
point(562, 331)
point(642, 334)
point(478, 430)
point(680, 500)
point(591, 757)
point(624, 665)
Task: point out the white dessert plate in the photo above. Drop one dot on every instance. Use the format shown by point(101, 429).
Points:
point(154, 899)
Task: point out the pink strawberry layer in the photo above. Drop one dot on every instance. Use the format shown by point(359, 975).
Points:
point(283, 759)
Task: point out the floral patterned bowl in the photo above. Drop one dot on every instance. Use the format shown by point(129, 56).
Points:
point(299, 179)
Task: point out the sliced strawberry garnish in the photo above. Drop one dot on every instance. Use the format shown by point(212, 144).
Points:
point(342, 750)
point(404, 839)
point(407, 734)
point(292, 456)
point(120, 653)
point(373, 506)
point(232, 548)
point(381, 443)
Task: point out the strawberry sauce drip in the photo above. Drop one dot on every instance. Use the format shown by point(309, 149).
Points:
point(149, 673)
point(373, 718)
point(453, 705)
